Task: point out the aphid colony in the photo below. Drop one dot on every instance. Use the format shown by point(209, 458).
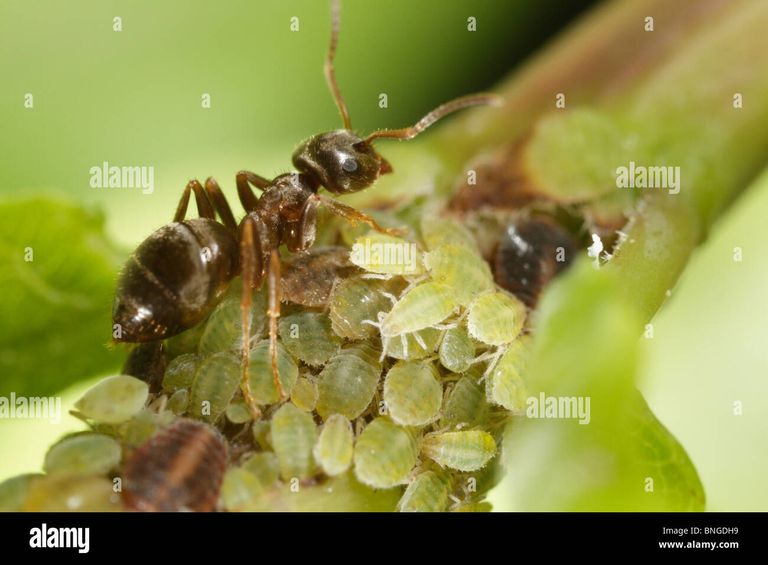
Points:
point(398, 388)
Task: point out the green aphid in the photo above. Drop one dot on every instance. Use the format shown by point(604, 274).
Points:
point(71, 493)
point(143, 426)
point(260, 372)
point(462, 269)
point(224, 328)
point(465, 405)
point(368, 352)
point(506, 384)
point(386, 255)
point(114, 399)
point(14, 491)
point(464, 450)
point(424, 306)
point(238, 412)
point(240, 490)
point(83, 454)
point(216, 381)
point(496, 318)
point(436, 232)
point(260, 432)
point(417, 344)
point(425, 493)
point(384, 454)
point(185, 342)
point(180, 372)
point(304, 394)
point(265, 466)
point(293, 438)
point(355, 301)
point(334, 447)
point(346, 386)
point(457, 351)
point(178, 402)
point(412, 393)
point(308, 337)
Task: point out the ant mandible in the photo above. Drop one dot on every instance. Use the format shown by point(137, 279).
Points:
point(177, 276)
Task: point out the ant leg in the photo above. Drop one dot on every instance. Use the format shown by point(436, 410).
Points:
point(300, 234)
point(247, 198)
point(204, 207)
point(273, 282)
point(252, 271)
point(354, 216)
point(220, 203)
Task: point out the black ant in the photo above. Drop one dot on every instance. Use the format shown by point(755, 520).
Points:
point(178, 274)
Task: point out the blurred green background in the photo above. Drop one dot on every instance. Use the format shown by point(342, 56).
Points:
point(134, 98)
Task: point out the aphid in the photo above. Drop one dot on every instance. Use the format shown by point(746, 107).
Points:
point(71, 493)
point(180, 372)
point(177, 276)
point(224, 327)
point(13, 492)
point(346, 385)
point(464, 450)
point(265, 466)
point(334, 448)
point(425, 493)
point(304, 394)
point(384, 454)
point(214, 386)
point(113, 400)
point(530, 254)
point(462, 269)
point(308, 337)
point(445, 231)
point(424, 306)
point(416, 345)
point(387, 255)
point(465, 406)
point(412, 393)
point(178, 401)
point(147, 362)
point(308, 278)
point(143, 426)
point(181, 468)
point(353, 302)
point(83, 454)
point(456, 351)
point(293, 438)
point(240, 491)
point(506, 383)
point(262, 385)
point(237, 413)
point(496, 318)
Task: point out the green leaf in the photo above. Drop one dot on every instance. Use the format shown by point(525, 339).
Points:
point(620, 457)
point(58, 273)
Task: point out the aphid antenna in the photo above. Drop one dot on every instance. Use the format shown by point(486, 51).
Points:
point(391, 297)
point(413, 283)
point(404, 344)
point(376, 276)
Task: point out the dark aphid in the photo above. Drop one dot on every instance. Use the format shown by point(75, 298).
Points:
point(308, 278)
point(177, 276)
point(147, 362)
point(179, 469)
point(532, 252)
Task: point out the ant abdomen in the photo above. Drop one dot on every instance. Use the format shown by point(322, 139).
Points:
point(174, 279)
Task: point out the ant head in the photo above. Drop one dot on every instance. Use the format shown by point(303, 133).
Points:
point(340, 161)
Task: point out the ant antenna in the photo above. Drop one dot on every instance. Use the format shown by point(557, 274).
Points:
point(439, 112)
point(330, 73)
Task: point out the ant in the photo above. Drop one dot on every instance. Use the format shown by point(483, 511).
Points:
point(177, 276)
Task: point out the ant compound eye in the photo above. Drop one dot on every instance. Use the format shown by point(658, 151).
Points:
point(349, 165)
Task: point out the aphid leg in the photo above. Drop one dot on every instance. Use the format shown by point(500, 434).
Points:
point(204, 207)
point(420, 340)
point(354, 216)
point(273, 281)
point(251, 259)
point(404, 343)
point(243, 180)
point(220, 203)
